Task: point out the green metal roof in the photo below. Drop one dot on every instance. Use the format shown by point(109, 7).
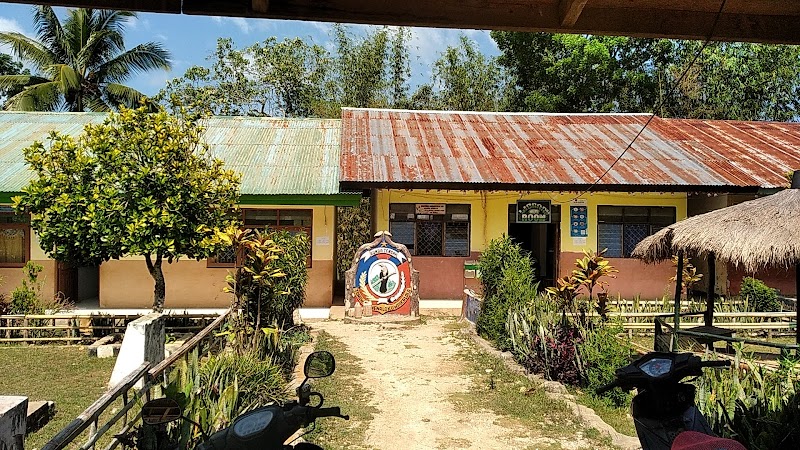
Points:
point(280, 157)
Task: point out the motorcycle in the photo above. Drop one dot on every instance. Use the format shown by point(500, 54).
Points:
point(663, 409)
point(268, 427)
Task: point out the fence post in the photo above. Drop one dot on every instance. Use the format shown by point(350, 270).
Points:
point(143, 342)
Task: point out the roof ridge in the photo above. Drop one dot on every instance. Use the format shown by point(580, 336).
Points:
point(494, 113)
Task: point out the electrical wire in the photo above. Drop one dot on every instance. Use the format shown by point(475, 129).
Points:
point(660, 103)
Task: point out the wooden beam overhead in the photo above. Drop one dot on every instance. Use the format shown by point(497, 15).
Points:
point(260, 6)
point(771, 21)
point(570, 11)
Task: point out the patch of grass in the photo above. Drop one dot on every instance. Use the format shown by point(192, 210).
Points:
point(519, 400)
point(344, 389)
point(65, 375)
point(619, 418)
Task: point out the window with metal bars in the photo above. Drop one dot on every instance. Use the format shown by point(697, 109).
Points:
point(431, 234)
point(621, 228)
point(292, 220)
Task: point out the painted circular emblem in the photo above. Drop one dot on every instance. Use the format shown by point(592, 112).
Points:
point(383, 276)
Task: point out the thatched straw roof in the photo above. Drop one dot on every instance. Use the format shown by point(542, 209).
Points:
point(757, 234)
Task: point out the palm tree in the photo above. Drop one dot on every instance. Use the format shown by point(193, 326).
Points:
point(79, 65)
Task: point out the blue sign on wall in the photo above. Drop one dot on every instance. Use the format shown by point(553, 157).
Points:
point(578, 220)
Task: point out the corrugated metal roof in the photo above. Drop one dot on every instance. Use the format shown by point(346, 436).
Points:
point(274, 156)
point(396, 147)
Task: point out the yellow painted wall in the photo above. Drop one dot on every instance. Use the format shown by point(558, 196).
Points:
point(11, 277)
point(125, 283)
point(489, 210)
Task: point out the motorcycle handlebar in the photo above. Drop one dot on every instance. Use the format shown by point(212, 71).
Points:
point(333, 411)
point(607, 387)
point(724, 363)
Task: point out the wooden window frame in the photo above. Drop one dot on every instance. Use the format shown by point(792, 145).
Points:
point(443, 219)
point(212, 262)
point(26, 226)
point(623, 223)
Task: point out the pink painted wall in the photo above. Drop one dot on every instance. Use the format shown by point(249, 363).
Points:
point(441, 278)
point(782, 280)
point(648, 281)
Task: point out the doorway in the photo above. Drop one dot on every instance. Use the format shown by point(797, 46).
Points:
point(540, 240)
point(81, 285)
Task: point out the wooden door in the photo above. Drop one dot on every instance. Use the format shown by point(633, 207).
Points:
point(67, 281)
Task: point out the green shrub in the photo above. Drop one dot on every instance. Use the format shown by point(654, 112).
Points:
point(755, 406)
point(546, 341)
point(259, 381)
point(288, 292)
point(515, 285)
point(601, 353)
point(5, 305)
point(214, 393)
point(493, 260)
point(270, 285)
point(25, 299)
point(759, 295)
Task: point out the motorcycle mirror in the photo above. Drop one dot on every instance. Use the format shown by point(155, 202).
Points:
point(319, 365)
point(160, 410)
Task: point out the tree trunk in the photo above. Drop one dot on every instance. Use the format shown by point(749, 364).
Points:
point(159, 292)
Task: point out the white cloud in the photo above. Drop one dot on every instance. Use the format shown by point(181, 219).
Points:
point(245, 26)
point(138, 22)
point(10, 25)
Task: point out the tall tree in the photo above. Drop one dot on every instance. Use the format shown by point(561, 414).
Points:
point(466, 80)
point(9, 67)
point(361, 65)
point(739, 81)
point(286, 78)
point(399, 66)
point(78, 65)
point(140, 183)
point(579, 73)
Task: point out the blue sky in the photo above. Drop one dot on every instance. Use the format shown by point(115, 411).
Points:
point(192, 38)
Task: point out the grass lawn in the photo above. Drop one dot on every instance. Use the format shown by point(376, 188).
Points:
point(63, 374)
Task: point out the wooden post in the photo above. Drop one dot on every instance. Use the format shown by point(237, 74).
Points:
point(678, 289)
point(712, 280)
point(796, 185)
point(797, 300)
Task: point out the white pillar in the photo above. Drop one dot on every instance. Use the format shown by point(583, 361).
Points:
point(144, 341)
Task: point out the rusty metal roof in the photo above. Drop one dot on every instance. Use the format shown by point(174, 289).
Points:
point(274, 156)
point(473, 150)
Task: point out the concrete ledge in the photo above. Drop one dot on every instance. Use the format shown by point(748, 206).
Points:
point(385, 318)
point(441, 304)
point(91, 350)
point(555, 391)
point(315, 313)
point(39, 413)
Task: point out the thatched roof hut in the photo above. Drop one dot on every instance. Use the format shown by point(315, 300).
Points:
point(757, 234)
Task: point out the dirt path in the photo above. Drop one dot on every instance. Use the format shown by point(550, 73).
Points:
point(413, 371)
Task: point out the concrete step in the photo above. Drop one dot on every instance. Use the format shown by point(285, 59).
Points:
point(39, 413)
